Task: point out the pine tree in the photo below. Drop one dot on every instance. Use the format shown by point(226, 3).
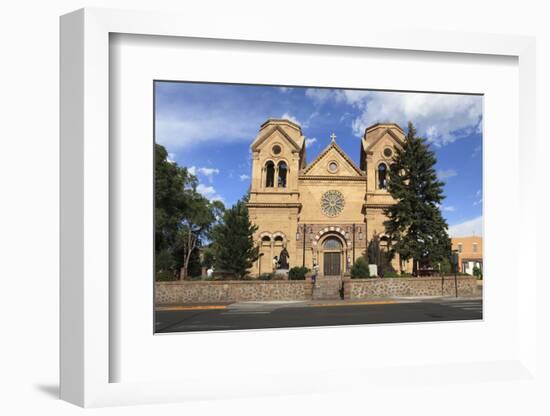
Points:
point(233, 242)
point(415, 225)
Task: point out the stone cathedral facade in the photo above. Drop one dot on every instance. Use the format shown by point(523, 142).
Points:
point(325, 212)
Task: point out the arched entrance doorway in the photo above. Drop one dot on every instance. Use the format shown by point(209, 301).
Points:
point(332, 256)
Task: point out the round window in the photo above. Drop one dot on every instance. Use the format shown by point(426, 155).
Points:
point(387, 152)
point(332, 167)
point(276, 149)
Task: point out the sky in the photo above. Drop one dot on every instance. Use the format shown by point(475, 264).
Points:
point(208, 128)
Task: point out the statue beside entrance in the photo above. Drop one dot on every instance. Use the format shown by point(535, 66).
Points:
point(283, 259)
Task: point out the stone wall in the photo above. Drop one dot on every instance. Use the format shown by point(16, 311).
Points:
point(189, 292)
point(408, 286)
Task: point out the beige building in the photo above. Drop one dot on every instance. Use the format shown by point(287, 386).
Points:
point(470, 253)
point(325, 212)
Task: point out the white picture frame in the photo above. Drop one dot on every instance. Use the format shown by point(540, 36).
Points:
point(86, 303)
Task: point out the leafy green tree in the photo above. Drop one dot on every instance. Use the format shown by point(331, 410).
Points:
point(415, 225)
point(183, 217)
point(233, 241)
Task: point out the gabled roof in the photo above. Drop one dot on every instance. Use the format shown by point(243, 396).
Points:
point(333, 145)
point(263, 136)
point(389, 130)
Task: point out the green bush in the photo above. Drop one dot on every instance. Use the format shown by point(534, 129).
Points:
point(391, 274)
point(265, 276)
point(478, 273)
point(360, 269)
point(405, 274)
point(165, 276)
point(297, 273)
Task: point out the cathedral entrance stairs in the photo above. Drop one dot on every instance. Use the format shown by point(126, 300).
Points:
point(327, 288)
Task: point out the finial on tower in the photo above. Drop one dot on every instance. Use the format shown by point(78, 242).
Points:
point(333, 137)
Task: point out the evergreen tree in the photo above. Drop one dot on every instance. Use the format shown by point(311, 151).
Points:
point(415, 225)
point(233, 242)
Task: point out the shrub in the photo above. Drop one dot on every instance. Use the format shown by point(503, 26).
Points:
point(360, 269)
point(165, 276)
point(297, 273)
point(265, 276)
point(478, 273)
point(391, 274)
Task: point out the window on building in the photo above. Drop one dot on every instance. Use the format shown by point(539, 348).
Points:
point(460, 248)
point(382, 176)
point(332, 243)
point(282, 175)
point(269, 174)
point(474, 248)
point(266, 239)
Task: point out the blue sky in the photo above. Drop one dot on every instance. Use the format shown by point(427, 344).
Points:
point(209, 128)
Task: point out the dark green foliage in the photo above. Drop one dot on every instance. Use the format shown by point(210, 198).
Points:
point(297, 273)
point(445, 266)
point(265, 276)
point(207, 257)
point(183, 217)
point(392, 274)
point(360, 269)
point(415, 225)
point(233, 242)
point(478, 273)
point(379, 256)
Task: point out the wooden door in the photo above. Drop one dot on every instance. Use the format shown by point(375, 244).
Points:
point(331, 264)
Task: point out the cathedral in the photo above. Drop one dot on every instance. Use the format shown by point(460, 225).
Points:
point(326, 212)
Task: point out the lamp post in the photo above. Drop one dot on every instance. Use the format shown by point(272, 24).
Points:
point(454, 261)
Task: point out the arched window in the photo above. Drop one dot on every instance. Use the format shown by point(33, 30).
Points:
point(279, 239)
point(382, 176)
point(266, 239)
point(282, 175)
point(332, 243)
point(269, 174)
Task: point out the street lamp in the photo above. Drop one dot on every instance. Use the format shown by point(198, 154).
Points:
point(454, 263)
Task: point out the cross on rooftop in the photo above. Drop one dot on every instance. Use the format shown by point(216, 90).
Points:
point(333, 136)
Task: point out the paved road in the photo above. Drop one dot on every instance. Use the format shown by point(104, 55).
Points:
point(254, 315)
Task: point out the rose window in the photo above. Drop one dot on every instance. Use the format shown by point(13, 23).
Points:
point(332, 203)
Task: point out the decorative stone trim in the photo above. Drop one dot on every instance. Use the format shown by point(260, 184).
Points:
point(362, 178)
point(274, 205)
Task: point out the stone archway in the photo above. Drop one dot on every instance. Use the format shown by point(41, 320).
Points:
point(332, 253)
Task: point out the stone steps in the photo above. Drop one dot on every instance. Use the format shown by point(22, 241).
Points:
point(327, 288)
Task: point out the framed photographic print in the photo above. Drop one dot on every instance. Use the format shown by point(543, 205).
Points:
point(308, 213)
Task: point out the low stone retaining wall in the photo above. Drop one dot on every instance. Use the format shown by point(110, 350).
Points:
point(189, 292)
point(408, 286)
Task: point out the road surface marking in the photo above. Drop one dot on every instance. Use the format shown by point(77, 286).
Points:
point(190, 308)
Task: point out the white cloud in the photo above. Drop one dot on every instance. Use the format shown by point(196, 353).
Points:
point(207, 172)
point(310, 141)
point(444, 174)
point(449, 208)
point(467, 228)
point(321, 95)
point(209, 192)
point(244, 177)
point(191, 128)
point(440, 118)
point(285, 89)
point(290, 117)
